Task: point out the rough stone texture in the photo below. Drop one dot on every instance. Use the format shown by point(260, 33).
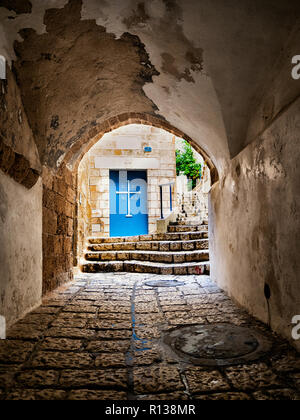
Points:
point(94, 378)
point(17, 166)
point(262, 188)
point(15, 131)
point(33, 395)
point(20, 264)
point(156, 261)
point(79, 362)
point(124, 149)
point(87, 394)
point(18, 6)
point(229, 396)
point(254, 207)
point(191, 43)
point(252, 377)
point(156, 379)
point(58, 227)
point(61, 121)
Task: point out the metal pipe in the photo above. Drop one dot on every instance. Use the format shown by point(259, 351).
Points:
point(161, 202)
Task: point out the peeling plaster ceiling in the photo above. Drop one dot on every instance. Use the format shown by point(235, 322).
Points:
point(214, 58)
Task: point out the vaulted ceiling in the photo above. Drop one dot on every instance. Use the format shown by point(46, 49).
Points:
point(219, 71)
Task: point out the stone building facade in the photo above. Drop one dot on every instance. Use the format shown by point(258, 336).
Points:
point(130, 148)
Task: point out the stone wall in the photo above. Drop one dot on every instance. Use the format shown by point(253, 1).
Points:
point(59, 198)
point(83, 208)
point(255, 225)
point(18, 153)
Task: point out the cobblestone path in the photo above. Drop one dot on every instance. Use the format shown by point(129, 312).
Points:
point(101, 338)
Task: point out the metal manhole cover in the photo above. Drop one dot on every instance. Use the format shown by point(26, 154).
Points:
point(164, 283)
point(217, 344)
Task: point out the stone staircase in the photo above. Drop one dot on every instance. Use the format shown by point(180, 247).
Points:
point(193, 207)
point(183, 250)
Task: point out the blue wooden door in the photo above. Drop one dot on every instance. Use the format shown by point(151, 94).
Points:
point(128, 203)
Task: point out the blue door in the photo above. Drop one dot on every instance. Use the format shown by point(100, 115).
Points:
point(128, 203)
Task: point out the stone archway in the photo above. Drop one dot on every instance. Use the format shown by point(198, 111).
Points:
point(76, 153)
point(60, 191)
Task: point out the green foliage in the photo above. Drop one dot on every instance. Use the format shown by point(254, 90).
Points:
point(186, 163)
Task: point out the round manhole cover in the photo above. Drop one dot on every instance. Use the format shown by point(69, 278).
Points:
point(164, 283)
point(217, 344)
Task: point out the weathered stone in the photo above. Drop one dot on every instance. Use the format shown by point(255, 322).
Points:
point(109, 325)
point(146, 308)
point(42, 320)
point(65, 322)
point(70, 333)
point(228, 396)
point(116, 334)
point(112, 346)
point(200, 380)
point(26, 332)
point(91, 363)
point(287, 364)
point(147, 357)
point(32, 394)
point(12, 351)
point(277, 394)
point(80, 308)
point(36, 378)
point(87, 394)
point(176, 395)
point(161, 378)
point(252, 377)
point(107, 378)
point(147, 333)
point(149, 319)
point(7, 375)
point(110, 360)
point(60, 343)
point(61, 360)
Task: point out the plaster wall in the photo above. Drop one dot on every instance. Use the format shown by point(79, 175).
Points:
point(20, 248)
point(255, 225)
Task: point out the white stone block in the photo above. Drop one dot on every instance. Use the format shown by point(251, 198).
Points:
point(105, 196)
point(94, 172)
point(105, 213)
point(104, 173)
point(96, 228)
point(126, 162)
point(102, 188)
point(104, 204)
point(94, 180)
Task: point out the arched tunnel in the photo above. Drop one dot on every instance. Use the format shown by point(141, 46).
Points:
point(223, 76)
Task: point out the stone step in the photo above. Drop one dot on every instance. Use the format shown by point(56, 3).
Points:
point(185, 228)
point(147, 267)
point(152, 256)
point(185, 222)
point(171, 246)
point(183, 236)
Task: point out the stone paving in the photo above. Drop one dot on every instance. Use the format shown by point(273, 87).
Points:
point(100, 337)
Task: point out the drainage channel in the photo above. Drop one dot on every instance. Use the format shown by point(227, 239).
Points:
point(134, 347)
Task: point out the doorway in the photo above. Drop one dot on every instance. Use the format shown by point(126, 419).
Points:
point(128, 203)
